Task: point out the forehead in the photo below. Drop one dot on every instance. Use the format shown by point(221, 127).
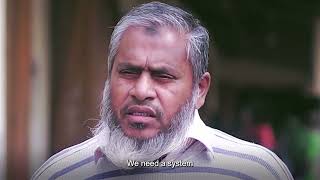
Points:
point(155, 44)
point(168, 36)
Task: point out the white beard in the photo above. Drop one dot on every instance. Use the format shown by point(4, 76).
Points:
point(120, 148)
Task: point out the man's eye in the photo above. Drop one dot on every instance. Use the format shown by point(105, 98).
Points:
point(128, 72)
point(164, 76)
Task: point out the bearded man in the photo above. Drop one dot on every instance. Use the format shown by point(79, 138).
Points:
point(150, 127)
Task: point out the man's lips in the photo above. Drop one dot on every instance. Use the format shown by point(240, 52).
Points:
point(140, 117)
point(143, 111)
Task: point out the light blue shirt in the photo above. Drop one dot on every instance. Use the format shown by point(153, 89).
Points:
point(212, 154)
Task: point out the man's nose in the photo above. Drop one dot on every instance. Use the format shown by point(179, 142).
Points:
point(143, 88)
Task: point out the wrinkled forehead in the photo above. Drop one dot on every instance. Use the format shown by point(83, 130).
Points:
point(167, 32)
point(158, 39)
point(152, 31)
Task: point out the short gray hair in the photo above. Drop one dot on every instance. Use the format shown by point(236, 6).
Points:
point(155, 14)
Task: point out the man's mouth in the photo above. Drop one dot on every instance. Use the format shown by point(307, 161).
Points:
point(140, 114)
point(143, 111)
point(140, 117)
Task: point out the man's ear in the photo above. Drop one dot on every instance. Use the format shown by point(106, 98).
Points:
point(203, 87)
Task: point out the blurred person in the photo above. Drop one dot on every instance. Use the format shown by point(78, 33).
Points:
point(150, 127)
point(247, 125)
point(261, 133)
point(266, 136)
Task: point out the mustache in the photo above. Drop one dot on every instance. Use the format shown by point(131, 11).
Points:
point(148, 104)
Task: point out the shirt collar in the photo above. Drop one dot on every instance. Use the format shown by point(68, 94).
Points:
point(198, 131)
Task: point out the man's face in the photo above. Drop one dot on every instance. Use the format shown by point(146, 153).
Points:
point(150, 80)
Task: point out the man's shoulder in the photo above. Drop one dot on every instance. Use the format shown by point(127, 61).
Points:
point(245, 157)
point(67, 160)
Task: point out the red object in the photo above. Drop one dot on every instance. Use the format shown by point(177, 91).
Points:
point(266, 136)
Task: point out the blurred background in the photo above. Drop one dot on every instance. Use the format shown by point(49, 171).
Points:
point(264, 58)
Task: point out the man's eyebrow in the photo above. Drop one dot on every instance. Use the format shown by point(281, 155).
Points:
point(154, 70)
point(160, 70)
point(128, 66)
point(164, 70)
